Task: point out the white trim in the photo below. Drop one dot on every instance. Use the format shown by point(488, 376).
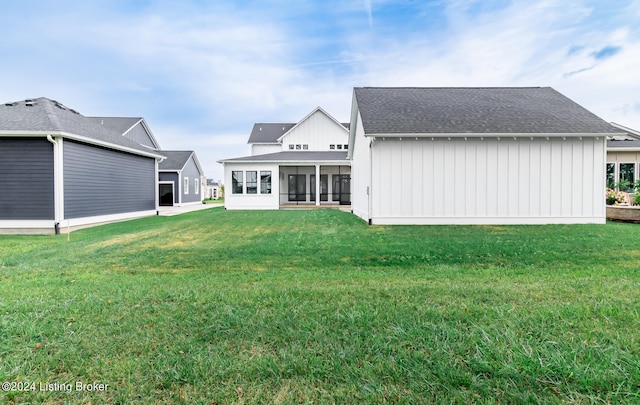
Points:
point(486, 220)
point(636, 149)
point(185, 182)
point(27, 224)
point(101, 219)
point(632, 132)
point(173, 192)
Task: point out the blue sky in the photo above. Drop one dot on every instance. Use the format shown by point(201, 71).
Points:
point(202, 72)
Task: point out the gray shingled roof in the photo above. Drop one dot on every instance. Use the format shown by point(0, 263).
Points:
point(270, 133)
point(118, 124)
point(623, 143)
point(176, 159)
point(292, 157)
point(522, 110)
point(45, 115)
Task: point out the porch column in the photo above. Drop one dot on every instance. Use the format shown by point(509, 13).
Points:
point(317, 185)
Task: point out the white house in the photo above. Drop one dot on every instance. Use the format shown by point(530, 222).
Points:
point(476, 156)
point(286, 162)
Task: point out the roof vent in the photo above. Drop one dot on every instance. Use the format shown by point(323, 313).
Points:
point(29, 103)
point(283, 128)
point(9, 104)
point(260, 129)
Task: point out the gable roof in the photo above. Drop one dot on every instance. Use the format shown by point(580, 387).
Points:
point(463, 110)
point(272, 133)
point(317, 109)
point(118, 124)
point(124, 125)
point(42, 116)
point(177, 159)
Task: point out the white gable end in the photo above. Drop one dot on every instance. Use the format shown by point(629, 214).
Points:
point(316, 132)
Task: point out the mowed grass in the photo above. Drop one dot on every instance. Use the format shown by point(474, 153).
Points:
point(317, 307)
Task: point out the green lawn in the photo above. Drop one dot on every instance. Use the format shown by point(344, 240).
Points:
point(276, 307)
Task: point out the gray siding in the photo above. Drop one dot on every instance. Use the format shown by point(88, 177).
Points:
point(171, 176)
point(191, 171)
point(140, 135)
point(100, 181)
point(26, 179)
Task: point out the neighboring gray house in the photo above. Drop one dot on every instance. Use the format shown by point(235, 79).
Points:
point(62, 170)
point(180, 179)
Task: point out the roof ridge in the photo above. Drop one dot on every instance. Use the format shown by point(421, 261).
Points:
point(51, 114)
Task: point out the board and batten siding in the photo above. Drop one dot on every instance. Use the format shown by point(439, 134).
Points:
point(100, 181)
point(26, 179)
point(486, 181)
point(318, 132)
point(360, 171)
point(262, 149)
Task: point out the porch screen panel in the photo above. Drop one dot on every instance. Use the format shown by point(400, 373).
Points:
point(297, 187)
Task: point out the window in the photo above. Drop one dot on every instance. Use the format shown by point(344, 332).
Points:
point(196, 186)
point(627, 176)
point(339, 146)
point(265, 182)
point(291, 147)
point(236, 182)
point(346, 147)
point(252, 182)
point(298, 147)
point(332, 147)
point(611, 175)
point(305, 147)
point(186, 185)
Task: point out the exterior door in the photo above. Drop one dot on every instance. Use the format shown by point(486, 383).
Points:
point(166, 194)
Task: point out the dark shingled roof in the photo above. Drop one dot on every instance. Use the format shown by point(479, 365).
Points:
point(521, 110)
point(176, 159)
point(270, 133)
point(118, 124)
point(292, 157)
point(623, 143)
point(45, 115)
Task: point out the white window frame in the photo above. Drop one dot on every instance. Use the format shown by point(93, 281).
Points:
point(185, 185)
point(196, 186)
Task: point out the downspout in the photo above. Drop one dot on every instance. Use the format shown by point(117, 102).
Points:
point(56, 185)
point(370, 187)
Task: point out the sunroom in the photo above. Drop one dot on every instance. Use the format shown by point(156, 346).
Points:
point(288, 180)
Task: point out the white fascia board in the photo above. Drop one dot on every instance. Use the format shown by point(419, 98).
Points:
point(84, 139)
point(492, 135)
point(345, 162)
point(632, 132)
point(623, 149)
